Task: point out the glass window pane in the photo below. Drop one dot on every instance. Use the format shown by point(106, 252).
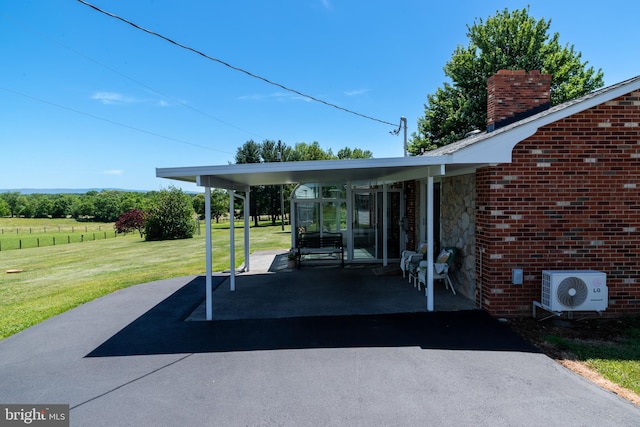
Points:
point(307, 191)
point(334, 217)
point(307, 217)
point(334, 191)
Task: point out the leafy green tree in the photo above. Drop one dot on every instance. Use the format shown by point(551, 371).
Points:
point(508, 40)
point(107, 206)
point(219, 203)
point(83, 206)
point(251, 152)
point(62, 204)
point(312, 151)
point(4, 208)
point(198, 204)
point(11, 198)
point(171, 216)
point(25, 207)
point(42, 205)
point(356, 153)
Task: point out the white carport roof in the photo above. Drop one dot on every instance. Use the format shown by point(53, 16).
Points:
point(358, 171)
point(459, 157)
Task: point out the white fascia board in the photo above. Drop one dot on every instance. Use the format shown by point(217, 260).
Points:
point(497, 149)
point(231, 176)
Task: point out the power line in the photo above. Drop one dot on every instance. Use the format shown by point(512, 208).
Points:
point(255, 76)
point(111, 121)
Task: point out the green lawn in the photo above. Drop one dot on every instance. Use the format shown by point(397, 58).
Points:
point(57, 278)
point(17, 233)
point(618, 360)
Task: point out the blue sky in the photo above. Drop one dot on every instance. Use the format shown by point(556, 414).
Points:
point(87, 101)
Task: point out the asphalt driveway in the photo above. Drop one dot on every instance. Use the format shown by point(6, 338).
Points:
point(130, 358)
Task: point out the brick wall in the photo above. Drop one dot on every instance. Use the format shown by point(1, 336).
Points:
point(569, 200)
point(515, 94)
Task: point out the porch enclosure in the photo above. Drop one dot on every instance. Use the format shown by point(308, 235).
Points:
point(369, 218)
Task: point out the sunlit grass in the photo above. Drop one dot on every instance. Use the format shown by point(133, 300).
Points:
point(57, 278)
point(617, 361)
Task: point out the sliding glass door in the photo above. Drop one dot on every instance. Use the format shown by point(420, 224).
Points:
point(373, 231)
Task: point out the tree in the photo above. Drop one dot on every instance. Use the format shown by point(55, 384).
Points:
point(83, 206)
point(25, 207)
point(107, 206)
point(42, 205)
point(133, 219)
point(198, 205)
point(312, 151)
point(61, 205)
point(171, 216)
point(250, 152)
point(4, 208)
point(356, 153)
point(12, 198)
point(508, 40)
point(219, 203)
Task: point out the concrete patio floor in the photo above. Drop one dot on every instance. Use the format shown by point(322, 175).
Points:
point(271, 290)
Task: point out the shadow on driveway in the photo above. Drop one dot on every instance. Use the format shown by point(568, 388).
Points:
point(163, 330)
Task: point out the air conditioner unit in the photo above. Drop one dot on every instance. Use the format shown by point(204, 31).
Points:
point(574, 290)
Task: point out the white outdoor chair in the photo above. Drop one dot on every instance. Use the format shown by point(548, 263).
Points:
point(409, 259)
point(440, 269)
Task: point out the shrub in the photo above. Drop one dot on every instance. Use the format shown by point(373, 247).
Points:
point(171, 216)
point(133, 219)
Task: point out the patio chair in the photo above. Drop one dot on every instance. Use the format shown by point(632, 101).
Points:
point(441, 269)
point(409, 260)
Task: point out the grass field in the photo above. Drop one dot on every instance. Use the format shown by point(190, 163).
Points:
point(22, 233)
point(57, 278)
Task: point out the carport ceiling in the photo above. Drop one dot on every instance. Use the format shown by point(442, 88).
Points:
point(364, 171)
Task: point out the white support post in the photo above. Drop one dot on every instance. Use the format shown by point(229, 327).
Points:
point(232, 244)
point(247, 228)
point(208, 279)
point(385, 228)
point(428, 289)
point(292, 221)
point(349, 222)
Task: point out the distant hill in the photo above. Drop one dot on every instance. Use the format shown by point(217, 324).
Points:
point(64, 190)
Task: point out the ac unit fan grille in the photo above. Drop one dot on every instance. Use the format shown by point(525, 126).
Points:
point(572, 292)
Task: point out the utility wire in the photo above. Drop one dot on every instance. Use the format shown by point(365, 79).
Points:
point(112, 121)
point(226, 64)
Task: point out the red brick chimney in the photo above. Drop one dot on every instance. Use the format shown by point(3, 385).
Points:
point(513, 95)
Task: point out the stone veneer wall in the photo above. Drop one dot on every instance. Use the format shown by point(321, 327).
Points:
point(457, 211)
